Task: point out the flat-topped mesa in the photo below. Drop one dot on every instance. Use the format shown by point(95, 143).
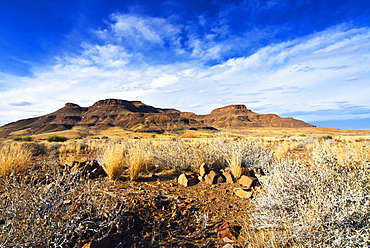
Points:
point(71, 105)
point(112, 102)
point(139, 117)
point(230, 107)
point(121, 106)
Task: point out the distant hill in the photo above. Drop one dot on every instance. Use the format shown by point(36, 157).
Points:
point(139, 117)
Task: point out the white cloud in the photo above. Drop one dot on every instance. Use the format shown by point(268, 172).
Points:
point(312, 73)
point(164, 81)
point(142, 33)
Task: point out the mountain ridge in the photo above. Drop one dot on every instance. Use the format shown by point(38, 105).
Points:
point(139, 117)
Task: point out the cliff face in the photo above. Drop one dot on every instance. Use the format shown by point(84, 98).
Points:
point(239, 116)
point(137, 116)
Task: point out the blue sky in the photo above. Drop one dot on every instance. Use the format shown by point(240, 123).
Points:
point(306, 59)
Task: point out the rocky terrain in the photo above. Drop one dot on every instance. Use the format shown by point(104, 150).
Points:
point(139, 117)
point(217, 192)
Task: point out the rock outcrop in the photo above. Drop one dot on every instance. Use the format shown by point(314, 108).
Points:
point(238, 116)
point(139, 117)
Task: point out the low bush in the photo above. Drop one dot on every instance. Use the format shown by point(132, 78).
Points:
point(323, 204)
point(57, 212)
point(22, 138)
point(56, 138)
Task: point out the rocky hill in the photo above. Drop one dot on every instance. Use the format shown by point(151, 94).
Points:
point(139, 117)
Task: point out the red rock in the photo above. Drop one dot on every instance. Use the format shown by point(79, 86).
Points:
point(187, 180)
point(227, 240)
point(229, 177)
point(248, 181)
point(246, 171)
point(220, 179)
point(203, 170)
point(243, 193)
point(211, 177)
point(223, 230)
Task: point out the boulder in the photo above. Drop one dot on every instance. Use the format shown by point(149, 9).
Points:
point(187, 180)
point(248, 181)
point(211, 177)
point(243, 193)
point(246, 172)
point(220, 179)
point(222, 229)
point(229, 177)
point(203, 170)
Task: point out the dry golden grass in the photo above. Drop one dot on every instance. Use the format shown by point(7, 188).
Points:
point(138, 163)
point(113, 159)
point(135, 155)
point(14, 158)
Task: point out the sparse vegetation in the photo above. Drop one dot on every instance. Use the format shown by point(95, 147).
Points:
point(58, 211)
point(301, 134)
point(321, 204)
point(56, 138)
point(14, 158)
point(113, 159)
point(22, 138)
point(315, 192)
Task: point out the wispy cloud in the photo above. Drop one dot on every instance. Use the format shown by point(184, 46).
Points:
point(311, 73)
point(19, 104)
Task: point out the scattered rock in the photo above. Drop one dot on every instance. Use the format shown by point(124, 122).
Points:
point(211, 177)
point(243, 193)
point(187, 180)
point(220, 179)
point(203, 170)
point(223, 230)
point(228, 246)
point(248, 181)
point(91, 169)
point(227, 240)
point(246, 172)
point(229, 177)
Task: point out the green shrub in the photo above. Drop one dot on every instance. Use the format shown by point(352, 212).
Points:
point(27, 138)
point(104, 137)
point(24, 138)
point(56, 138)
point(301, 134)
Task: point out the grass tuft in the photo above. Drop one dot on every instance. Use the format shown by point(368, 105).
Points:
point(14, 158)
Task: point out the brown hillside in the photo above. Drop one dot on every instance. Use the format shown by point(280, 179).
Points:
point(139, 117)
point(238, 116)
